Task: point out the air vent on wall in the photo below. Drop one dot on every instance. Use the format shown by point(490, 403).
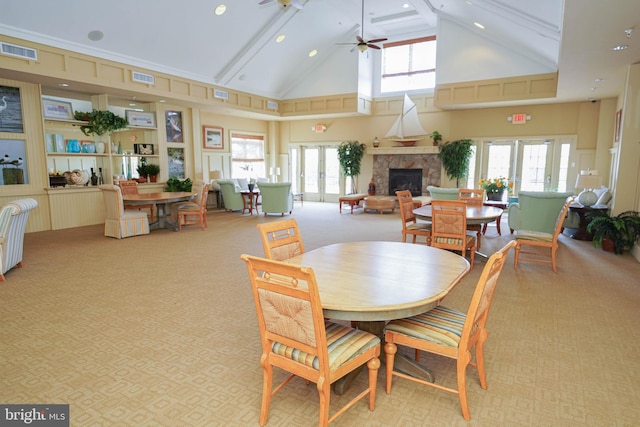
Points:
point(220, 94)
point(20, 51)
point(137, 76)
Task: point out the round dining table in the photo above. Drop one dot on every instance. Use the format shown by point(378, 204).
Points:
point(161, 200)
point(373, 282)
point(475, 214)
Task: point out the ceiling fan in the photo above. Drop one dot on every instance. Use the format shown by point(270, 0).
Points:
point(284, 3)
point(361, 44)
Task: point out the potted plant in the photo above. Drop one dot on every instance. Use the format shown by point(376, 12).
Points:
point(350, 155)
point(436, 137)
point(153, 170)
point(177, 184)
point(100, 122)
point(623, 230)
point(496, 187)
point(455, 157)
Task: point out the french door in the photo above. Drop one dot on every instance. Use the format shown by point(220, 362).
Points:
point(316, 172)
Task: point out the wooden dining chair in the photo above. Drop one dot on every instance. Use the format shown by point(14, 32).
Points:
point(536, 243)
point(450, 333)
point(281, 240)
point(129, 188)
point(475, 198)
point(296, 338)
point(194, 212)
point(449, 227)
point(410, 225)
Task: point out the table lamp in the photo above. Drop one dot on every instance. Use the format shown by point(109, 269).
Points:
point(588, 179)
point(275, 173)
point(215, 174)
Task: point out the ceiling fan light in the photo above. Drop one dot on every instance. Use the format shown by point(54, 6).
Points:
point(362, 47)
point(285, 3)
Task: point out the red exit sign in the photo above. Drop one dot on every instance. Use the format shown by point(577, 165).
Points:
point(518, 119)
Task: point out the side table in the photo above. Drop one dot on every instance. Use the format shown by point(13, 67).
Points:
point(250, 201)
point(496, 204)
point(582, 211)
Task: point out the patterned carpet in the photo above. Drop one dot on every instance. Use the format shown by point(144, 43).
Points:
point(160, 330)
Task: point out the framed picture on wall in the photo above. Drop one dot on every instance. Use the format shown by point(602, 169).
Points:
point(54, 109)
point(141, 119)
point(11, 109)
point(213, 137)
point(174, 126)
point(176, 162)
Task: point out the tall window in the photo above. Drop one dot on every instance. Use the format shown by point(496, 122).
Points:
point(409, 65)
point(247, 156)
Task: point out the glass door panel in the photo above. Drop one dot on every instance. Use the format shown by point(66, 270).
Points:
point(320, 173)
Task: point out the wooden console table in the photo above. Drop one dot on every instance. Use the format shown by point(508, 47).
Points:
point(582, 211)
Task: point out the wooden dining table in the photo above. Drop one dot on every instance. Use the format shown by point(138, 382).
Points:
point(373, 282)
point(162, 200)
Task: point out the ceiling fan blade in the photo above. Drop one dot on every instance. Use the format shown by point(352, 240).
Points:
point(345, 44)
point(373, 46)
point(377, 40)
point(360, 39)
point(296, 4)
point(263, 2)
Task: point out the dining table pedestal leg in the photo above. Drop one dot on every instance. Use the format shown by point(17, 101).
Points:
point(401, 363)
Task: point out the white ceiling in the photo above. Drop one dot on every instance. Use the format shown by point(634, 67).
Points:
point(237, 50)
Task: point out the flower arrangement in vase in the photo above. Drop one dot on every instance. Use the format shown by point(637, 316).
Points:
point(495, 187)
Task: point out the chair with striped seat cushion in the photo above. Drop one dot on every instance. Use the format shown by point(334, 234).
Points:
point(450, 333)
point(120, 222)
point(536, 243)
point(13, 223)
point(296, 338)
point(410, 225)
point(449, 227)
point(473, 197)
point(281, 240)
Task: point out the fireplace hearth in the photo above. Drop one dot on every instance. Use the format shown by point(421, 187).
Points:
point(405, 179)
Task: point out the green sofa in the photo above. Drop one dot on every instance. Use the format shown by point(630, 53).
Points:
point(276, 197)
point(536, 210)
point(439, 193)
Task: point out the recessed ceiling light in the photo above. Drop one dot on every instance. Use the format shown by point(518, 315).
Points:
point(599, 80)
point(63, 84)
point(313, 53)
point(479, 25)
point(132, 104)
point(163, 100)
point(95, 35)
point(406, 5)
point(242, 77)
point(620, 47)
point(280, 38)
point(220, 9)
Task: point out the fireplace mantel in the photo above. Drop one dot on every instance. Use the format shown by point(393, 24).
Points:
point(418, 149)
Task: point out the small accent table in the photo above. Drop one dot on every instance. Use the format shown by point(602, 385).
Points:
point(582, 233)
point(250, 201)
point(496, 204)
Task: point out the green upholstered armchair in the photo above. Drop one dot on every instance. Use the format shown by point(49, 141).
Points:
point(439, 193)
point(276, 197)
point(231, 197)
point(536, 210)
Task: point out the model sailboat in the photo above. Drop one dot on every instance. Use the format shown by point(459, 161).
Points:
point(407, 128)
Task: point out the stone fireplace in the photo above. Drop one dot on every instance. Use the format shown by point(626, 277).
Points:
point(427, 164)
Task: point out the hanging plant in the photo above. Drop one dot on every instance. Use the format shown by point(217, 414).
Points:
point(455, 157)
point(100, 122)
point(350, 155)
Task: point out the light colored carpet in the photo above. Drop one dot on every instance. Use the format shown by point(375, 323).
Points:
point(160, 330)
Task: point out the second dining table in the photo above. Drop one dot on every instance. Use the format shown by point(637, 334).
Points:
point(373, 282)
point(162, 200)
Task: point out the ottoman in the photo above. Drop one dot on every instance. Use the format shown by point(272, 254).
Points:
point(379, 203)
point(353, 200)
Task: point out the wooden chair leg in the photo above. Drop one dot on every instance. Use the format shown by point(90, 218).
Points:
point(390, 350)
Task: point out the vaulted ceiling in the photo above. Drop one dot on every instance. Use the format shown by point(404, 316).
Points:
point(238, 50)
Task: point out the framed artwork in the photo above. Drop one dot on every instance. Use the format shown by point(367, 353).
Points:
point(14, 165)
point(54, 109)
point(140, 119)
point(10, 110)
point(174, 126)
point(618, 125)
point(146, 149)
point(176, 162)
point(213, 137)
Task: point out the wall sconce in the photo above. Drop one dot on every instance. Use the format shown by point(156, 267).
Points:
point(319, 128)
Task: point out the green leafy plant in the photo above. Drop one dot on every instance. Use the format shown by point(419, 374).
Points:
point(436, 137)
point(350, 155)
point(100, 122)
point(176, 184)
point(153, 169)
point(623, 229)
point(455, 157)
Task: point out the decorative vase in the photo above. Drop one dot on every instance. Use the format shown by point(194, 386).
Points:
point(100, 147)
point(251, 187)
point(73, 146)
point(372, 187)
point(495, 197)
